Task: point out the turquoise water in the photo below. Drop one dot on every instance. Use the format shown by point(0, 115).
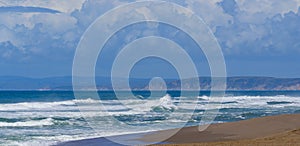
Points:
point(50, 117)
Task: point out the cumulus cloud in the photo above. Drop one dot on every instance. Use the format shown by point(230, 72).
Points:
point(39, 33)
point(60, 5)
point(38, 29)
point(22, 9)
point(242, 26)
point(268, 7)
point(260, 27)
point(92, 9)
point(210, 12)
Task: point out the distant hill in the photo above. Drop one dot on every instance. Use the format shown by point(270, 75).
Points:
point(103, 83)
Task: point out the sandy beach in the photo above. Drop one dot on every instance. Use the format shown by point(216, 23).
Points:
point(272, 130)
point(290, 138)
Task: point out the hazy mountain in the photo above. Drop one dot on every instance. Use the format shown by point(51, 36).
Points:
point(104, 83)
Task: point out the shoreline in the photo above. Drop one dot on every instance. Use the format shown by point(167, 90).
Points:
point(284, 129)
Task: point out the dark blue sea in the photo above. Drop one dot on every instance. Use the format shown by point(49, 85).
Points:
point(51, 117)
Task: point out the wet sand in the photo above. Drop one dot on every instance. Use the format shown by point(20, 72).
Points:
point(291, 138)
point(272, 130)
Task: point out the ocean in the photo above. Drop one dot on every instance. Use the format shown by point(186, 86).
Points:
point(51, 117)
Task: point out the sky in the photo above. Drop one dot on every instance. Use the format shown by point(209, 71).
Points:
point(257, 37)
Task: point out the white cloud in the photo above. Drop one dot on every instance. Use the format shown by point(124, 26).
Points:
point(211, 13)
point(92, 9)
point(5, 34)
point(40, 31)
point(256, 11)
point(54, 23)
point(268, 7)
point(65, 6)
point(262, 26)
point(11, 19)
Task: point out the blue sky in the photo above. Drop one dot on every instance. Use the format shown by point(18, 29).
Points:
point(257, 37)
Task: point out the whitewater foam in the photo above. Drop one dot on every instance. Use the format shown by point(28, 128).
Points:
point(31, 123)
point(64, 117)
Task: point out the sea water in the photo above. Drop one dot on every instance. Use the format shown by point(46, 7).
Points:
point(51, 117)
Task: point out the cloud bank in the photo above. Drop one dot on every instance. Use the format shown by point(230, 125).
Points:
point(34, 29)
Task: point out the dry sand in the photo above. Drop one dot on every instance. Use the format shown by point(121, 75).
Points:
point(291, 138)
point(282, 130)
point(273, 130)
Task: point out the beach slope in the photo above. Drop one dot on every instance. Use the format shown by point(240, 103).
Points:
point(271, 130)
